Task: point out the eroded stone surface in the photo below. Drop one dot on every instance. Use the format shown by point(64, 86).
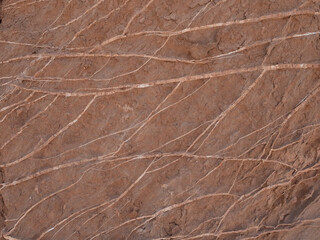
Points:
point(154, 119)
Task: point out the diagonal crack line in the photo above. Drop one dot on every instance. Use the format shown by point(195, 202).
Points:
point(222, 115)
point(129, 87)
point(209, 26)
point(28, 123)
point(50, 138)
point(44, 199)
point(301, 104)
point(22, 104)
point(154, 57)
point(95, 21)
point(177, 205)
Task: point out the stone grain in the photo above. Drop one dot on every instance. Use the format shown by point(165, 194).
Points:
point(158, 119)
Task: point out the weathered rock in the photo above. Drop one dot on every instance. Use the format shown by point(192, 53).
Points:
point(188, 119)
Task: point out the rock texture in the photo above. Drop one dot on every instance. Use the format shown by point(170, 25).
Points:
point(160, 119)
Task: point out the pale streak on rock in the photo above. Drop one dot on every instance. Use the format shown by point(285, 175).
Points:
point(222, 24)
point(50, 138)
point(28, 122)
point(165, 183)
point(125, 88)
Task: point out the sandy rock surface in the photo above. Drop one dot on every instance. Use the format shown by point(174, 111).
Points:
point(160, 119)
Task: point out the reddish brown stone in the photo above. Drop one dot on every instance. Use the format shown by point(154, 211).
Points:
point(153, 119)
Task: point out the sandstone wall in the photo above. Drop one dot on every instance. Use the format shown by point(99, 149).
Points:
point(160, 119)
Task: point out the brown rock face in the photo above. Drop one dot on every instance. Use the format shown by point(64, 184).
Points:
point(160, 119)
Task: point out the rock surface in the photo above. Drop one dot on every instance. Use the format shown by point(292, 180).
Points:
point(159, 119)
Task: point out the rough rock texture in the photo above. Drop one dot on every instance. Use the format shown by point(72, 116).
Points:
point(160, 119)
